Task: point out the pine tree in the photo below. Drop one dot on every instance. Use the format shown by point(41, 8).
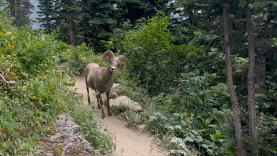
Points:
point(99, 20)
point(67, 15)
point(46, 15)
point(21, 11)
point(133, 10)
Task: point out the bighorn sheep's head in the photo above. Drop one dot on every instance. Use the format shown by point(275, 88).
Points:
point(115, 61)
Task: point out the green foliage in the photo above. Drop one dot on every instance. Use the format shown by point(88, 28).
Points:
point(79, 57)
point(196, 94)
point(186, 138)
point(195, 81)
point(129, 88)
point(133, 10)
point(194, 141)
point(41, 93)
point(26, 117)
point(185, 93)
point(115, 42)
point(180, 148)
point(181, 65)
point(269, 108)
point(191, 135)
point(95, 20)
point(20, 51)
point(153, 60)
point(267, 128)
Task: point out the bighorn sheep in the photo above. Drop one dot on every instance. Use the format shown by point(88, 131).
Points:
point(101, 79)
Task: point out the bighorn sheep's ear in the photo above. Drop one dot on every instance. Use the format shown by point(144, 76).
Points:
point(122, 61)
point(107, 53)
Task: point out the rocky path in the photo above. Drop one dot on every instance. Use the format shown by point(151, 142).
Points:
point(129, 142)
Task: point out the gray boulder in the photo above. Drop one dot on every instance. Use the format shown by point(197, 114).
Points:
point(68, 141)
point(124, 100)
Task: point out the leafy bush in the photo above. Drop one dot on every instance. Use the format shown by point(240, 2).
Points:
point(41, 93)
point(190, 136)
point(153, 61)
point(195, 94)
point(179, 114)
point(79, 57)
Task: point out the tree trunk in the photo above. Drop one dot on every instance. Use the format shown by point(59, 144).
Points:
point(234, 100)
point(251, 85)
point(72, 31)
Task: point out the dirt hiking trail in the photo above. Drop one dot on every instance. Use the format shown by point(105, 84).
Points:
point(128, 142)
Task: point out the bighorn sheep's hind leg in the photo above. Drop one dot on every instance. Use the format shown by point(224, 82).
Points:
point(100, 102)
point(108, 103)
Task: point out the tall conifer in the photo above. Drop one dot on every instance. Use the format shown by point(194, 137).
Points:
point(20, 10)
point(45, 13)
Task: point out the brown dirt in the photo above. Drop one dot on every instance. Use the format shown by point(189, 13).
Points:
point(129, 142)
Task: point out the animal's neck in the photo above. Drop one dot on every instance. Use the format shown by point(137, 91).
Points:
point(108, 75)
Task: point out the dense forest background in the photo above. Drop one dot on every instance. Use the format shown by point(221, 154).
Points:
point(205, 70)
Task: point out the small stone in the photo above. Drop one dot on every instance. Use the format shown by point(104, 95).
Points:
point(50, 154)
point(76, 129)
point(73, 140)
point(113, 95)
point(142, 128)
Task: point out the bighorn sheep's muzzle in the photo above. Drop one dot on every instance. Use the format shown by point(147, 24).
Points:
point(112, 69)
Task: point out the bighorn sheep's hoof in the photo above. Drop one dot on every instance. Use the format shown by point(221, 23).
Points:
point(89, 101)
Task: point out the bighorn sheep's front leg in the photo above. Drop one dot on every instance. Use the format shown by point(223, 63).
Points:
point(88, 95)
point(100, 102)
point(108, 103)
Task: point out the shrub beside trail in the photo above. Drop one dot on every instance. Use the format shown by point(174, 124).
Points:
point(31, 59)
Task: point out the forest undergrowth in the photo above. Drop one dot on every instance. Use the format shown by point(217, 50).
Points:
point(28, 113)
point(176, 70)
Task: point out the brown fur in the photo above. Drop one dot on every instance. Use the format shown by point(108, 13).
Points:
point(101, 79)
